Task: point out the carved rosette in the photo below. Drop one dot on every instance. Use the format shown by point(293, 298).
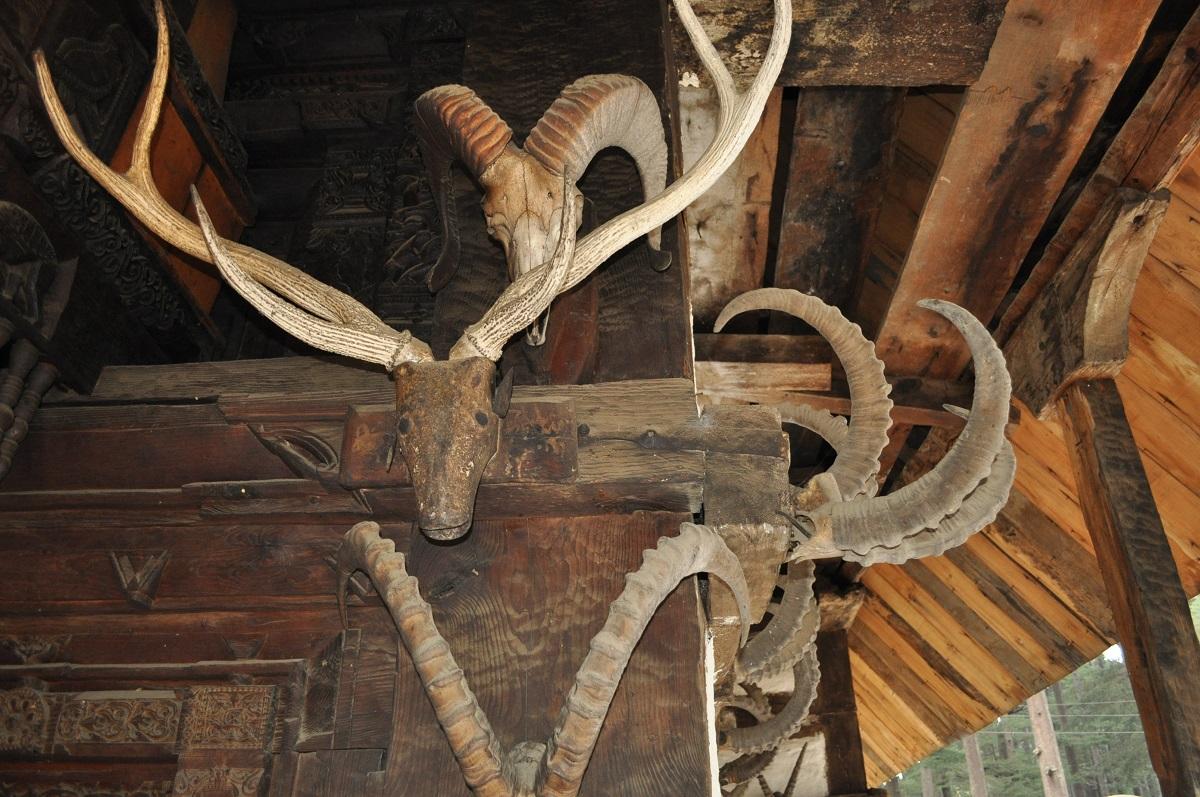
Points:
point(231, 781)
point(229, 718)
point(118, 721)
point(24, 715)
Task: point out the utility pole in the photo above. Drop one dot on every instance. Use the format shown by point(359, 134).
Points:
point(893, 787)
point(975, 767)
point(927, 782)
point(1064, 719)
point(1054, 782)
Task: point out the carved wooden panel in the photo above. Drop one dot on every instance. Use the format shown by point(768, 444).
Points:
point(229, 718)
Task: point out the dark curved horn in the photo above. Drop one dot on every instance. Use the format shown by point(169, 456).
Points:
point(600, 111)
point(454, 124)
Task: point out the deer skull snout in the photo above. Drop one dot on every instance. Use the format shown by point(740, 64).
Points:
point(447, 430)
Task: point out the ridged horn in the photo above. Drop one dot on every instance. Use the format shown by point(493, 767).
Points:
point(778, 646)
point(768, 735)
point(454, 124)
point(870, 408)
point(695, 549)
point(597, 112)
point(860, 526)
point(466, 726)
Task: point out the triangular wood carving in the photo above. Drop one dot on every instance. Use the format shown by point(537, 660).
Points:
point(139, 583)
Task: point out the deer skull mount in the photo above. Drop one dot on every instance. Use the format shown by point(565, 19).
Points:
point(526, 187)
point(447, 430)
point(595, 112)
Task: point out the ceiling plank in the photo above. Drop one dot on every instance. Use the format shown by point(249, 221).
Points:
point(857, 42)
point(1149, 151)
point(841, 150)
point(1021, 128)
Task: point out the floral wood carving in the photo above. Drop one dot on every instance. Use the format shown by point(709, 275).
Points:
point(229, 718)
point(35, 649)
point(24, 715)
point(223, 780)
point(118, 721)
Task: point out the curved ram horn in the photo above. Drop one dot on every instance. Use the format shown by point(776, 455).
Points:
point(779, 645)
point(467, 728)
point(747, 767)
point(344, 317)
point(738, 117)
point(768, 735)
point(870, 408)
point(600, 111)
point(855, 529)
point(454, 124)
point(696, 549)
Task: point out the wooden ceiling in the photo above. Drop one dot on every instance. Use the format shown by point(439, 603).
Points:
point(975, 193)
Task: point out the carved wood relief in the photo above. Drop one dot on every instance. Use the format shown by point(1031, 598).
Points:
point(111, 720)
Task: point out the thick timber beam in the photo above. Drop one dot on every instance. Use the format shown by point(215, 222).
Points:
point(1149, 606)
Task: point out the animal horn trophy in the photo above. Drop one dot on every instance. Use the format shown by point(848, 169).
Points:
point(439, 401)
point(553, 768)
point(524, 188)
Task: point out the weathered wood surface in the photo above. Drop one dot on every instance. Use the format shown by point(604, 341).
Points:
point(538, 590)
point(841, 150)
point(728, 227)
point(1048, 77)
point(1147, 154)
point(1079, 326)
point(838, 712)
point(1147, 600)
point(860, 43)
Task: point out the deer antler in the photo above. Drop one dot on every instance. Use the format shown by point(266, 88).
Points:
point(349, 327)
point(739, 116)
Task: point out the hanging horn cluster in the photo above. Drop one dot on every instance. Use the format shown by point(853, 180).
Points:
point(963, 493)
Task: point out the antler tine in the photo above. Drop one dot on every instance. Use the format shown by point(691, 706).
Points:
point(515, 310)
point(739, 116)
point(137, 192)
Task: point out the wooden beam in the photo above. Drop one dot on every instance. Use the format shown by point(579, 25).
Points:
point(1022, 126)
point(1079, 326)
point(1149, 606)
point(857, 42)
point(837, 708)
point(841, 149)
point(1149, 151)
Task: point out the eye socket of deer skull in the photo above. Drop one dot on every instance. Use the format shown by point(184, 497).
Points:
point(523, 204)
point(447, 430)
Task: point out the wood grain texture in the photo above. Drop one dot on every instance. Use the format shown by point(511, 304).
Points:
point(859, 43)
point(841, 150)
point(1148, 602)
point(518, 603)
point(1017, 135)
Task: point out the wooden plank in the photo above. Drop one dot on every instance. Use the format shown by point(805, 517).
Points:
point(1064, 566)
point(836, 706)
point(1149, 605)
point(1151, 147)
point(728, 226)
point(717, 378)
point(1052, 69)
point(858, 43)
point(733, 348)
point(841, 151)
point(538, 621)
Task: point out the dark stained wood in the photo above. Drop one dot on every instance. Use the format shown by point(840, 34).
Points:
point(859, 43)
point(538, 590)
point(1049, 75)
point(1148, 152)
point(841, 150)
point(1079, 326)
point(835, 705)
point(762, 348)
point(1148, 602)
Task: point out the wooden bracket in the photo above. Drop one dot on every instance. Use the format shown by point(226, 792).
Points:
point(1078, 328)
